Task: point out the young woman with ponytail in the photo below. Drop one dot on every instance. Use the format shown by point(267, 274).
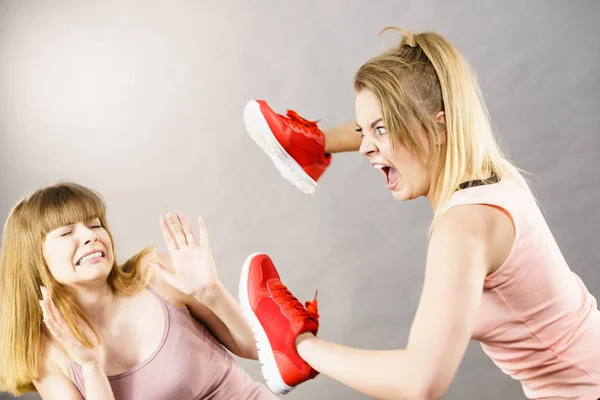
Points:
point(494, 272)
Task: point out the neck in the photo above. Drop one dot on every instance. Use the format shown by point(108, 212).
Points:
point(433, 195)
point(97, 302)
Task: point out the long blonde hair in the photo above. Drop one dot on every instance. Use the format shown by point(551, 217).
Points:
point(23, 270)
point(413, 82)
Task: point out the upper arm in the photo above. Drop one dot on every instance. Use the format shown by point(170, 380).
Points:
point(53, 383)
point(462, 251)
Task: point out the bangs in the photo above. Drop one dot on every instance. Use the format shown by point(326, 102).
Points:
point(65, 204)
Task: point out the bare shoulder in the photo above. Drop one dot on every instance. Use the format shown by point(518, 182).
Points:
point(476, 228)
point(54, 379)
point(54, 359)
point(162, 287)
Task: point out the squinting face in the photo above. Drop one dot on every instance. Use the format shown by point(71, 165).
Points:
point(406, 175)
point(79, 253)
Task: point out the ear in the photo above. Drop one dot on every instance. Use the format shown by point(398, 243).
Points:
point(440, 118)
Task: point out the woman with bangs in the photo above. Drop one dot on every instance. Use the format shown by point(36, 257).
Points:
point(494, 272)
point(74, 324)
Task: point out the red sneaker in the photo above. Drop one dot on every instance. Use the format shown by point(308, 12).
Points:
point(295, 145)
point(276, 318)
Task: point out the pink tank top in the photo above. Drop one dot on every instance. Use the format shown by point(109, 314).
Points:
point(537, 321)
point(188, 364)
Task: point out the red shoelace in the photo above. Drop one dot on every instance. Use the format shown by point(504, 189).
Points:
point(291, 303)
point(303, 124)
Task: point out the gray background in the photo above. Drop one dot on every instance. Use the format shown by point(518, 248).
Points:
point(142, 101)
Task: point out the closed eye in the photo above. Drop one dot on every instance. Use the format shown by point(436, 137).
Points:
point(66, 233)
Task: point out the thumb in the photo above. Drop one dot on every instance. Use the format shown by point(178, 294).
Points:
point(203, 232)
point(162, 270)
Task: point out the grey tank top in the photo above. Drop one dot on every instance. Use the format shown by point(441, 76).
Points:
point(188, 364)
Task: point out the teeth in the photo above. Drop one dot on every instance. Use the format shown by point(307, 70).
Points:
point(379, 166)
point(87, 258)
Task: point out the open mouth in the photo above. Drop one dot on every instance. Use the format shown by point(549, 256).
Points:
point(90, 258)
point(391, 175)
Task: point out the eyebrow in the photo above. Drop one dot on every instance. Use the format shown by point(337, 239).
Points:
point(373, 124)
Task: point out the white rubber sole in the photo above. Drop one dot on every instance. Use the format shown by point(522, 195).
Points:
point(259, 131)
point(269, 368)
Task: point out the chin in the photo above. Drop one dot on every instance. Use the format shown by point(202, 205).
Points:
point(401, 194)
point(95, 272)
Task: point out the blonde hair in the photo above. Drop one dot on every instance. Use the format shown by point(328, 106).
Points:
point(413, 82)
point(23, 270)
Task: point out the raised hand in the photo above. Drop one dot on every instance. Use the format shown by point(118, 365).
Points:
point(193, 270)
point(62, 333)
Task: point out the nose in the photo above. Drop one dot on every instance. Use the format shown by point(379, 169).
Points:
point(88, 235)
point(367, 147)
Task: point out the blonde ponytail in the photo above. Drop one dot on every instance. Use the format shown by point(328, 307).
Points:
point(423, 75)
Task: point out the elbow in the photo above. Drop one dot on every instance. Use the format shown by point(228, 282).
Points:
point(415, 394)
point(423, 390)
point(249, 354)
point(428, 391)
point(252, 355)
point(426, 395)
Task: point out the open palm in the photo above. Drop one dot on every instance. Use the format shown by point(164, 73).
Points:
point(62, 333)
point(193, 270)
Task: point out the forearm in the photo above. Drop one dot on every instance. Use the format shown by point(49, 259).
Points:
point(96, 383)
point(228, 310)
point(382, 374)
point(342, 138)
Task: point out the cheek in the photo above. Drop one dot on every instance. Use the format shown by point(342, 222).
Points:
point(49, 253)
point(57, 258)
point(105, 239)
point(58, 253)
point(415, 171)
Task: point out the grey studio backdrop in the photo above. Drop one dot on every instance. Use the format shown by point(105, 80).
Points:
point(142, 101)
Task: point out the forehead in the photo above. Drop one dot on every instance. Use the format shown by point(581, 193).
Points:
point(367, 108)
point(67, 209)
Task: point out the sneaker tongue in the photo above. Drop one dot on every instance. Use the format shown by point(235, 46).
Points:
point(295, 116)
point(308, 126)
point(268, 269)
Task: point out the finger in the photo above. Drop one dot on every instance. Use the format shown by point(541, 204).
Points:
point(168, 236)
point(203, 232)
point(167, 275)
point(45, 312)
point(53, 321)
point(45, 303)
point(161, 268)
point(49, 320)
point(45, 293)
point(54, 311)
point(189, 235)
point(54, 329)
point(164, 259)
point(176, 227)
